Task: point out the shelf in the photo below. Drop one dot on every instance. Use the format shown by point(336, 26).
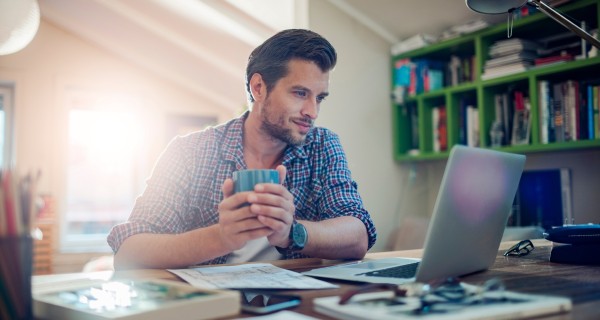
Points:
point(414, 117)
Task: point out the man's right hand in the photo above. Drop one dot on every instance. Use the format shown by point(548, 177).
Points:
point(237, 224)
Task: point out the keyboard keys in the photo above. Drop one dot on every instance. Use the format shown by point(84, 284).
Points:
point(403, 271)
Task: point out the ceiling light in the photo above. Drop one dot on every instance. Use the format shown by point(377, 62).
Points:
point(19, 22)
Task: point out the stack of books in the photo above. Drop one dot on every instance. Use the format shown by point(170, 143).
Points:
point(415, 42)
point(510, 56)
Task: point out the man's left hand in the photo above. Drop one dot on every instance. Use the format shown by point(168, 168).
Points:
point(274, 206)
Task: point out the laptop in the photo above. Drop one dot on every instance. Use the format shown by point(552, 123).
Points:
point(470, 213)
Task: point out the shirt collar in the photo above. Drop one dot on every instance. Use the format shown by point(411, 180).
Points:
point(234, 144)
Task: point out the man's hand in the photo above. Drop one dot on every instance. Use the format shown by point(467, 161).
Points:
point(237, 223)
point(274, 207)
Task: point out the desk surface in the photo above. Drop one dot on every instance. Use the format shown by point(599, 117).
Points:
point(529, 274)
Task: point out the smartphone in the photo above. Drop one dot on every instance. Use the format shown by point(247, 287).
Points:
point(261, 302)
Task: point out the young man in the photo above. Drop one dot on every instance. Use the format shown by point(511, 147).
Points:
point(188, 213)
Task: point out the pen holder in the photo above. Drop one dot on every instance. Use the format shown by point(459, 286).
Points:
point(16, 263)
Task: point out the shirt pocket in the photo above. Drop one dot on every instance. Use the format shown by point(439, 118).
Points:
point(307, 199)
point(203, 207)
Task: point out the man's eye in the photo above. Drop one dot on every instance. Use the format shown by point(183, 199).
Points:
point(320, 99)
point(301, 93)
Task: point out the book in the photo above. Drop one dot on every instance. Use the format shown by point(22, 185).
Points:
point(521, 122)
point(543, 198)
point(132, 300)
point(472, 126)
point(512, 58)
point(553, 59)
point(492, 305)
point(544, 111)
point(514, 45)
point(439, 126)
point(505, 70)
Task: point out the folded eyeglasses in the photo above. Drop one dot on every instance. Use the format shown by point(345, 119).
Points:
point(520, 249)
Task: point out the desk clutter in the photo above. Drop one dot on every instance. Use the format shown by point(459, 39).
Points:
point(519, 285)
point(450, 299)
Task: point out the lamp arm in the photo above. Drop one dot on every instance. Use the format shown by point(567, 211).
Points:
point(565, 22)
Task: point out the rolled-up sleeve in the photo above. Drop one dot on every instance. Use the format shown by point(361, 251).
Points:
point(156, 210)
point(340, 193)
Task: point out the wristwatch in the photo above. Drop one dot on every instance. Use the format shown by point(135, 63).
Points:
point(298, 237)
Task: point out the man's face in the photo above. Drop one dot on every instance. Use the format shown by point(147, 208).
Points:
point(290, 109)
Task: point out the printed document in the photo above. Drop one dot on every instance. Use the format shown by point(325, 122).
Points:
point(248, 276)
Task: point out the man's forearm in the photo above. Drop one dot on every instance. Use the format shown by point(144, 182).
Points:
point(337, 238)
point(161, 251)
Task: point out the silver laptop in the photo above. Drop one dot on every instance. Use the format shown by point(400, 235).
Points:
point(469, 217)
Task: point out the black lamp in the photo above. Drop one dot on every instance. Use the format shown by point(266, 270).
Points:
point(508, 6)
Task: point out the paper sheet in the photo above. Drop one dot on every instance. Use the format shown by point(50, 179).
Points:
point(246, 276)
point(282, 315)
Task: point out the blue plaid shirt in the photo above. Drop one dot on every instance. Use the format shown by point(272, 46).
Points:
point(184, 190)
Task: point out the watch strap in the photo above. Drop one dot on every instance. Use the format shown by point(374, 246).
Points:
point(293, 245)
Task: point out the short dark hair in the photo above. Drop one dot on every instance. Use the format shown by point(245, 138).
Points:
point(271, 58)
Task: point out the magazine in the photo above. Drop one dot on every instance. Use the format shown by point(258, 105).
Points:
point(132, 300)
point(473, 304)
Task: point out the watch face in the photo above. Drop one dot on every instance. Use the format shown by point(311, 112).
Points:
point(299, 235)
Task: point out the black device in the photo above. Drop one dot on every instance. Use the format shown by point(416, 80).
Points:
point(261, 302)
point(581, 244)
point(575, 234)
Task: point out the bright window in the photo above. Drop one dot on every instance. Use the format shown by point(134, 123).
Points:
point(103, 175)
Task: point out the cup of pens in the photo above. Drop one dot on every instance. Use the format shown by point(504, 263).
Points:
point(17, 215)
point(16, 263)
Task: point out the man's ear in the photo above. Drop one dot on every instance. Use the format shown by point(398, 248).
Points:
point(258, 87)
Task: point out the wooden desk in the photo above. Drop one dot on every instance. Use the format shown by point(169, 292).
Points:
point(530, 274)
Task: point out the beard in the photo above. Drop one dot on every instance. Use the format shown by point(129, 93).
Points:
point(274, 125)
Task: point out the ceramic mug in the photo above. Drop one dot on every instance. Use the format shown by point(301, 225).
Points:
point(245, 180)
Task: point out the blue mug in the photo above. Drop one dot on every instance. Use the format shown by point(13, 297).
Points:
point(245, 180)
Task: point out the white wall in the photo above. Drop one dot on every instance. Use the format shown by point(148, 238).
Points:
point(358, 109)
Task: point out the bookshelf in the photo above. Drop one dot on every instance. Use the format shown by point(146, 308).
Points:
point(413, 106)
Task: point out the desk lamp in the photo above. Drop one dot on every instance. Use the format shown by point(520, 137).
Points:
point(508, 6)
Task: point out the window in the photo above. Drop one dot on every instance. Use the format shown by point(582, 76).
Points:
point(6, 133)
point(103, 171)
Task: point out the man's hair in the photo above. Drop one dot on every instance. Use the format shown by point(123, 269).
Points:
point(271, 58)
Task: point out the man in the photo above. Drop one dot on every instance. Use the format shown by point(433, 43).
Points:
point(189, 214)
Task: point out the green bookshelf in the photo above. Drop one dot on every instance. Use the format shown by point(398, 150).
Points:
point(412, 118)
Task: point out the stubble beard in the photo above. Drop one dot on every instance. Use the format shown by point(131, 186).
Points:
point(276, 129)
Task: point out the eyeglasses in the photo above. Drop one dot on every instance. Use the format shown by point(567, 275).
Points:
point(431, 298)
point(520, 249)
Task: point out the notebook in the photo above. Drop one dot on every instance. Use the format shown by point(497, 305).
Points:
point(470, 213)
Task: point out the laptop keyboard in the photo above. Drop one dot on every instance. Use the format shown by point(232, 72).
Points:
point(403, 271)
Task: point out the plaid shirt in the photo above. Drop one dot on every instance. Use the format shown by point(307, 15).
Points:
point(184, 190)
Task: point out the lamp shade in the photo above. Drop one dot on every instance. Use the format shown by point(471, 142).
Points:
point(494, 6)
point(19, 22)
